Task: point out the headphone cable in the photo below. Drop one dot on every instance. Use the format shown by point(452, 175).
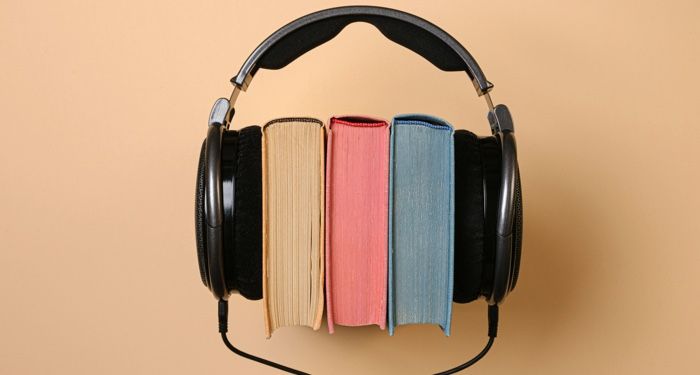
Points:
point(223, 329)
point(493, 332)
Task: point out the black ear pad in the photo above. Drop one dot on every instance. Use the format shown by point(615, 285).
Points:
point(517, 231)
point(199, 219)
point(248, 213)
point(491, 166)
point(469, 217)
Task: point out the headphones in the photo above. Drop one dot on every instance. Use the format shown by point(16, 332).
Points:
point(488, 199)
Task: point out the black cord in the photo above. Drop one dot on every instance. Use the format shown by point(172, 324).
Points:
point(223, 328)
point(493, 332)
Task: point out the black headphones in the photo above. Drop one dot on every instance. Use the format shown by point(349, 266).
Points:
point(488, 200)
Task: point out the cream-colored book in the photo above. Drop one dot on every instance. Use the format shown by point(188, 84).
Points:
point(293, 223)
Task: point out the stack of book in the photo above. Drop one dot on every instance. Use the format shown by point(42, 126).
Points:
point(368, 215)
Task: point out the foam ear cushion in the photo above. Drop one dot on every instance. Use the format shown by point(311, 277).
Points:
point(469, 217)
point(199, 219)
point(248, 213)
point(491, 166)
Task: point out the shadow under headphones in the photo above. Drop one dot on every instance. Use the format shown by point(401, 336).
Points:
point(488, 199)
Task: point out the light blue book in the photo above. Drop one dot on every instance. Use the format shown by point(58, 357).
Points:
point(421, 222)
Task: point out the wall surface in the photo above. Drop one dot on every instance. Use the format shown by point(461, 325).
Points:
point(104, 104)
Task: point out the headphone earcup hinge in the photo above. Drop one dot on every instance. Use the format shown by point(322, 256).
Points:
point(500, 119)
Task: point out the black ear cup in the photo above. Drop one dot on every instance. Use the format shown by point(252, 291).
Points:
point(239, 260)
point(248, 213)
point(199, 219)
point(469, 217)
point(491, 165)
point(229, 179)
point(517, 231)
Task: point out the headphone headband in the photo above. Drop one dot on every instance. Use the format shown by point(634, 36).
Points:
point(414, 33)
point(310, 31)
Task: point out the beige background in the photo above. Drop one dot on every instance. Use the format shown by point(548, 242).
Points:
point(103, 107)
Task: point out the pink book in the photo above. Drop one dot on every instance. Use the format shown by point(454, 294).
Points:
point(357, 198)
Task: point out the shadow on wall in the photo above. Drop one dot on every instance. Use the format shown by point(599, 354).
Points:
point(557, 261)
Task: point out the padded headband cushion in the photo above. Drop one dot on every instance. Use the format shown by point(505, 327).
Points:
point(248, 213)
point(491, 166)
point(199, 218)
point(469, 217)
point(312, 35)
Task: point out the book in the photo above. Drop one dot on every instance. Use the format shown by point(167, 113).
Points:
point(421, 222)
point(357, 198)
point(293, 223)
